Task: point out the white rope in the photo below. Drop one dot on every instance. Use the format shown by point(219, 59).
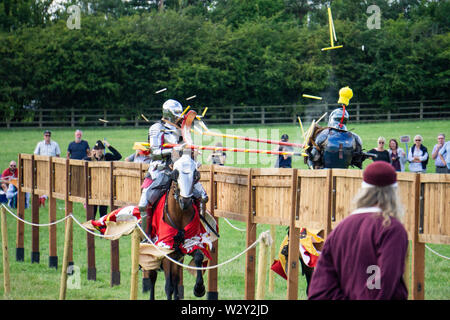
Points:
point(261, 236)
point(234, 227)
point(31, 223)
point(437, 253)
point(74, 219)
point(264, 236)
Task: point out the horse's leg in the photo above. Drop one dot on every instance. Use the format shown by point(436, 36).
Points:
point(168, 274)
point(199, 288)
point(175, 278)
point(153, 274)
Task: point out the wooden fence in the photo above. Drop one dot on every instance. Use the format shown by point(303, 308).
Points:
point(358, 111)
point(287, 197)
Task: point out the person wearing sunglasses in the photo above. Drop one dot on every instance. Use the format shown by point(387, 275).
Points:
point(382, 154)
point(418, 156)
point(47, 147)
point(9, 174)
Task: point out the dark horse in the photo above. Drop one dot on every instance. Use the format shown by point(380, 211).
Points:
point(179, 212)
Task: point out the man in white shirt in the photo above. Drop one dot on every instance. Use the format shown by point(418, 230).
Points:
point(47, 147)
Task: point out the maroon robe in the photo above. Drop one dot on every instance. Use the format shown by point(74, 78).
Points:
point(362, 259)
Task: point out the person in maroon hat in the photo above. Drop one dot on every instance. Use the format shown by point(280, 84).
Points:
point(363, 258)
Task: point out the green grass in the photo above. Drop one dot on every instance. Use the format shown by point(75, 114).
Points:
point(38, 281)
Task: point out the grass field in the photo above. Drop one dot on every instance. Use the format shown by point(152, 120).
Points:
point(37, 281)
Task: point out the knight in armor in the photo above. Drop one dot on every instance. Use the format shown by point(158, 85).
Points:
point(334, 146)
point(158, 178)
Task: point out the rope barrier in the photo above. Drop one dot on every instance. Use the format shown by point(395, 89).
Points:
point(233, 226)
point(34, 224)
point(437, 253)
point(264, 236)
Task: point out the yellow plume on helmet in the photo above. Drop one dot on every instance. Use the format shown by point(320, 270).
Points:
point(345, 94)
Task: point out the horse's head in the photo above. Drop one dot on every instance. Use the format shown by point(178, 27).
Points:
point(185, 175)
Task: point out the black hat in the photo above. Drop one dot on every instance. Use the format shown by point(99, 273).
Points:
point(99, 145)
point(284, 137)
point(47, 132)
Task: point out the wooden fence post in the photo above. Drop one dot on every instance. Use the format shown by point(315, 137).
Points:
point(213, 293)
point(250, 262)
point(294, 238)
point(262, 271)
point(6, 280)
point(418, 248)
point(65, 263)
point(20, 250)
point(35, 254)
point(272, 258)
point(53, 252)
point(135, 243)
point(115, 263)
point(90, 239)
point(68, 207)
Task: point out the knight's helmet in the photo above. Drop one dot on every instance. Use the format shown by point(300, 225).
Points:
point(338, 115)
point(172, 110)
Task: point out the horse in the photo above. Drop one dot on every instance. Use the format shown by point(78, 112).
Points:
point(179, 212)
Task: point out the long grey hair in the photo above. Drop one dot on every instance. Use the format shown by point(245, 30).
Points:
point(386, 198)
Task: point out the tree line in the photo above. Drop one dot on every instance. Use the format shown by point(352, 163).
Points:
point(229, 52)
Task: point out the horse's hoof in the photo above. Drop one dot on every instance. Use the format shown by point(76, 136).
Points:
point(199, 291)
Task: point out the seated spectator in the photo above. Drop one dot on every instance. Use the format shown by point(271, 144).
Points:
point(363, 258)
point(78, 149)
point(11, 195)
point(47, 147)
point(418, 156)
point(439, 162)
point(382, 154)
point(444, 154)
point(217, 157)
point(8, 174)
point(397, 155)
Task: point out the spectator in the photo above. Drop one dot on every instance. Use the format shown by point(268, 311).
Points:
point(218, 157)
point(47, 147)
point(418, 156)
point(11, 195)
point(364, 256)
point(397, 156)
point(439, 162)
point(382, 154)
point(140, 156)
point(284, 161)
point(98, 154)
point(444, 154)
point(8, 174)
point(78, 149)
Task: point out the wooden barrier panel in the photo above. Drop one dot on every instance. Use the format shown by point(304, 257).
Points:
point(313, 199)
point(406, 189)
point(59, 178)
point(127, 183)
point(345, 186)
point(434, 219)
point(77, 181)
point(27, 172)
point(231, 195)
point(41, 164)
point(99, 183)
point(272, 195)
